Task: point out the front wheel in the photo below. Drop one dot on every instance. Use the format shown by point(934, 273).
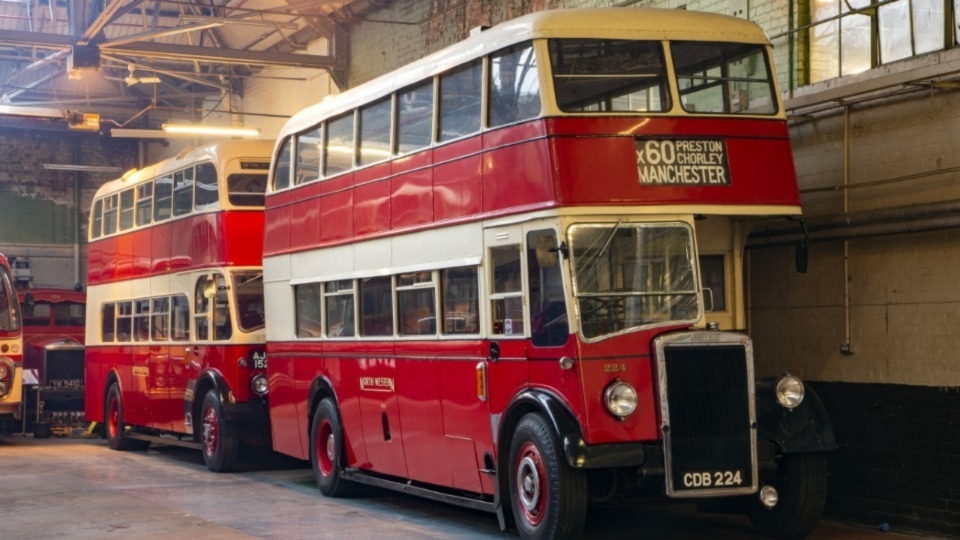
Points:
point(548, 497)
point(326, 451)
point(219, 437)
point(802, 488)
point(113, 420)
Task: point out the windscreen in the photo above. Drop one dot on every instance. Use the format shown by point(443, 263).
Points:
point(632, 275)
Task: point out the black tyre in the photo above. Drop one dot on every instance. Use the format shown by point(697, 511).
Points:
point(326, 452)
point(114, 426)
point(548, 497)
point(802, 488)
point(219, 438)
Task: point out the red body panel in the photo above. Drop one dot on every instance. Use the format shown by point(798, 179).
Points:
point(540, 164)
point(192, 242)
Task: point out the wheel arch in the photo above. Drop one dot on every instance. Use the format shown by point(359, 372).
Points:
point(320, 389)
point(560, 418)
point(193, 400)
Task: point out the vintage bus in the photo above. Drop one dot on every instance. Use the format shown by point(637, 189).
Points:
point(174, 335)
point(510, 276)
point(11, 350)
point(53, 359)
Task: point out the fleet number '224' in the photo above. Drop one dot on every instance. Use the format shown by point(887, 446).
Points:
point(712, 479)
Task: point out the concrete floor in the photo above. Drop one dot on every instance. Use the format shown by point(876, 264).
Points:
point(80, 489)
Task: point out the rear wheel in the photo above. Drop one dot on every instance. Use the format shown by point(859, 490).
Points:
point(219, 438)
point(548, 497)
point(802, 489)
point(113, 420)
point(326, 452)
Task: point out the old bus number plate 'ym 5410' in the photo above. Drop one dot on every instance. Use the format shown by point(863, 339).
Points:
point(716, 479)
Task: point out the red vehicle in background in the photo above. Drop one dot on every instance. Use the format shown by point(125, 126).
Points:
point(53, 336)
point(174, 334)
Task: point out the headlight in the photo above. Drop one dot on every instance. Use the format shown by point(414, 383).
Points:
point(620, 399)
point(259, 385)
point(790, 391)
point(4, 372)
point(6, 378)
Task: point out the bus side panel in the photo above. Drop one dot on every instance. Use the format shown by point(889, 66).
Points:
point(343, 372)
point(142, 253)
point(456, 196)
point(93, 380)
point(95, 262)
point(304, 218)
point(276, 229)
point(242, 237)
point(418, 385)
point(160, 248)
point(411, 198)
point(372, 210)
point(517, 176)
point(336, 209)
point(287, 403)
point(181, 236)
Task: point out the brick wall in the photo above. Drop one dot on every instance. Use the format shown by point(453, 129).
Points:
point(38, 217)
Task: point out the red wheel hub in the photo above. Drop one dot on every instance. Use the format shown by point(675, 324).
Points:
point(531, 488)
point(211, 431)
point(326, 447)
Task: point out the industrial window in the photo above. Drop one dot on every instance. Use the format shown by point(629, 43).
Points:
point(859, 40)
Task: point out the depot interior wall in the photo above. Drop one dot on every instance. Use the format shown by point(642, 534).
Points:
point(904, 291)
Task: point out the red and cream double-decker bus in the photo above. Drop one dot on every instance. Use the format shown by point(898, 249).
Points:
point(510, 275)
point(11, 349)
point(174, 336)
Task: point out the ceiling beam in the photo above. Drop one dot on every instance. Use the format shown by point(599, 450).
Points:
point(227, 56)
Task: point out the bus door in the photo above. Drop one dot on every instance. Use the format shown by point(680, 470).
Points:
point(719, 244)
point(183, 368)
point(212, 324)
point(150, 368)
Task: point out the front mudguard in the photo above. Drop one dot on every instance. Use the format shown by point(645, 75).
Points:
point(807, 428)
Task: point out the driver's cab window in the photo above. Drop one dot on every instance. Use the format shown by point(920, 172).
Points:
point(506, 298)
point(212, 308)
point(548, 310)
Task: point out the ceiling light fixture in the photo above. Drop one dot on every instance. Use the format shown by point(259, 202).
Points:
point(211, 130)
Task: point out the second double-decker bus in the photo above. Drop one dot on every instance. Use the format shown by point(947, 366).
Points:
point(510, 276)
point(11, 350)
point(174, 336)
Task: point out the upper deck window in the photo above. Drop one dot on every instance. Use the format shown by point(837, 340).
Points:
point(460, 101)
point(725, 78)
point(144, 203)
point(206, 187)
point(246, 189)
point(163, 197)
point(415, 117)
point(183, 192)
point(281, 168)
point(514, 85)
point(340, 149)
point(375, 131)
point(606, 75)
point(126, 209)
point(309, 145)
